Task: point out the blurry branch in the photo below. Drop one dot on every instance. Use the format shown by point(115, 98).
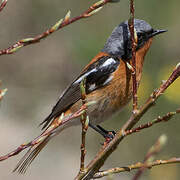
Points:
point(2, 93)
point(3, 4)
point(164, 118)
point(133, 45)
point(138, 165)
point(94, 166)
point(60, 24)
point(156, 148)
point(85, 122)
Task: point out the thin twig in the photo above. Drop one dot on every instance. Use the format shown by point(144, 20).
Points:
point(159, 119)
point(85, 122)
point(94, 166)
point(133, 45)
point(138, 165)
point(3, 4)
point(60, 24)
point(156, 148)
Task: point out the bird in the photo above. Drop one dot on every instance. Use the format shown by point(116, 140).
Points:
point(107, 82)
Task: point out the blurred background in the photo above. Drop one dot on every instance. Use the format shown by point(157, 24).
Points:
point(36, 75)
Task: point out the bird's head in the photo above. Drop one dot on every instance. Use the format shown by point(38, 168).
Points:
point(119, 43)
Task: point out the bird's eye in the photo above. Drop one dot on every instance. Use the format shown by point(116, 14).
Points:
point(151, 31)
point(141, 36)
point(144, 35)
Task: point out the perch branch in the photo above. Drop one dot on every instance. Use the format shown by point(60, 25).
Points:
point(94, 166)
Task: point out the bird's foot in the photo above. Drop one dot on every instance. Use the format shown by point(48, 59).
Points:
point(109, 137)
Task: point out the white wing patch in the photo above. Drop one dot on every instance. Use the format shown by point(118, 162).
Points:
point(108, 62)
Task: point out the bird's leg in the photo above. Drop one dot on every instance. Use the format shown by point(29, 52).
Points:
point(108, 135)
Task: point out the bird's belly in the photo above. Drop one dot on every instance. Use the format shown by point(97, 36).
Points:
point(105, 108)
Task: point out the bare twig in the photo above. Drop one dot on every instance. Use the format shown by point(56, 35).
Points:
point(156, 148)
point(133, 45)
point(164, 118)
point(85, 122)
point(3, 4)
point(136, 166)
point(60, 24)
point(94, 166)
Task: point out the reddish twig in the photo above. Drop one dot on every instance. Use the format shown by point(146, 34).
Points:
point(164, 118)
point(138, 165)
point(60, 24)
point(133, 45)
point(3, 4)
point(156, 148)
point(85, 122)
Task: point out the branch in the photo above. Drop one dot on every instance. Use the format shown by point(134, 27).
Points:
point(164, 118)
point(156, 148)
point(133, 45)
point(60, 24)
point(3, 4)
point(138, 165)
point(94, 166)
point(85, 122)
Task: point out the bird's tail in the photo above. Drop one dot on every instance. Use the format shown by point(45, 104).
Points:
point(30, 155)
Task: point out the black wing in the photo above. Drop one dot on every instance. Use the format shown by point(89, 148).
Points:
point(97, 75)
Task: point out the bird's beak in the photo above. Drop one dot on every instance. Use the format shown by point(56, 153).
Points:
point(158, 31)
